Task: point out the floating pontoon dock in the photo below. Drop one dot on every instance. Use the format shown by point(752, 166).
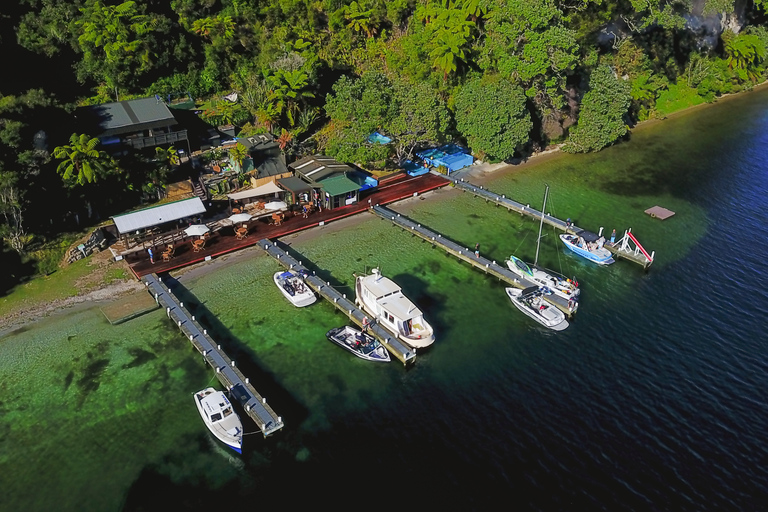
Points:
point(468, 255)
point(230, 377)
point(399, 349)
point(641, 257)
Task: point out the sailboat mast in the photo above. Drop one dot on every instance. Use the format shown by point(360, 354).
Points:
point(541, 224)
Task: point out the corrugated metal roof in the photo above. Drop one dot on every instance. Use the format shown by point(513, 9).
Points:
point(129, 116)
point(158, 215)
point(295, 184)
point(339, 185)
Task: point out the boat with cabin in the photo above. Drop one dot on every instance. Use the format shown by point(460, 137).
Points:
point(220, 418)
point(383, 299)
point(531, 302)
point(361, 344)
point(588, 246)
point(292, 284)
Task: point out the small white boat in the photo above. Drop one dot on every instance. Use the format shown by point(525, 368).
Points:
point(556, 283)
point(362, 345)
point(384, 301)
point(292, 285)
point(220, 418)
point(593, 251)
point(531, 302)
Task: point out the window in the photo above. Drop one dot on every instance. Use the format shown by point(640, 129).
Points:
point(216, 417)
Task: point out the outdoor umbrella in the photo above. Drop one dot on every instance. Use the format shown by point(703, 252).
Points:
point(276, 205)
point(197, 230)
point(239, 217)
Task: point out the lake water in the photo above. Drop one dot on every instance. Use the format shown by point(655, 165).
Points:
point(653, 399)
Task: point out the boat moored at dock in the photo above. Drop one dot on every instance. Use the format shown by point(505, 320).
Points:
point(291, 283)
point(556, 283)
point(591, 250)
point(220, 418)
point(381, 298)
point(359, 343)
point(530, 302)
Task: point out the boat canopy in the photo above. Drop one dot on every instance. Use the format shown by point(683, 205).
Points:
point(531, 290)
point(523, 266)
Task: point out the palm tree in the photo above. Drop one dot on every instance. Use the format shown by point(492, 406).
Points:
point(288, 89)
point(81, 161)
point(744, 52)
point(359, 20)
point(447, 52)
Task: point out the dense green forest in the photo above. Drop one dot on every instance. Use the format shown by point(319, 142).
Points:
point(507, 78)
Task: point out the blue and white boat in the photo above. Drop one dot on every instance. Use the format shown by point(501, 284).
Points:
point(220, 418)
point(593, 251)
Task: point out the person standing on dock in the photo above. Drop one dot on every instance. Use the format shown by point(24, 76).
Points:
point(477, 250)
point(151, 255)
point(613, 236)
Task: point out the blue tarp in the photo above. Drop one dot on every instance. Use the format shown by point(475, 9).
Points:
point(452, 156)
point(414, 169)
point(364, 180)
point(377, 138)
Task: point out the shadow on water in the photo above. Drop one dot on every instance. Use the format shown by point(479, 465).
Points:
point(246, 360)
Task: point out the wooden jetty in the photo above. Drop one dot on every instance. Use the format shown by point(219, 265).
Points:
point(228, 374)
point(468, 255)
point(640, 257)
point(397, 348)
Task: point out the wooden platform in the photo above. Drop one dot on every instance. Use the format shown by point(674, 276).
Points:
point(659, 213)
point(128, 307)
point(225, 240)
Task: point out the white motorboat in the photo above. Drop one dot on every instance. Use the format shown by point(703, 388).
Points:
point(553, 281)
point(531, 302)
point(220, 418)
point(591, 250)
point(381, 298)
point(292, 284)
point(359, 343)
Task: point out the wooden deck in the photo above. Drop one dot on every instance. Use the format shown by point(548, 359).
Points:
point(224, 241)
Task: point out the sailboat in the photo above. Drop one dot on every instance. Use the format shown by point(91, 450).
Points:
point(551, 281)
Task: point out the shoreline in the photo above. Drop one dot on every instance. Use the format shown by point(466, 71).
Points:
point(24, 317)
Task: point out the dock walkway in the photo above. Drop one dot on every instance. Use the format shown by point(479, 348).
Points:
point(396, 347)
point(524, 209)
point(468, 255)
point(231, 377)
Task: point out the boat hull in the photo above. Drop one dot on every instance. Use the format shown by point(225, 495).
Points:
point(368, 349)
point(548, 316)
point(293, 288)
point(229, 430)
point(600, 256)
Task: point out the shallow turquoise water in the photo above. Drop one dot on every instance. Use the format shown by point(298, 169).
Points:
point(651, 399)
